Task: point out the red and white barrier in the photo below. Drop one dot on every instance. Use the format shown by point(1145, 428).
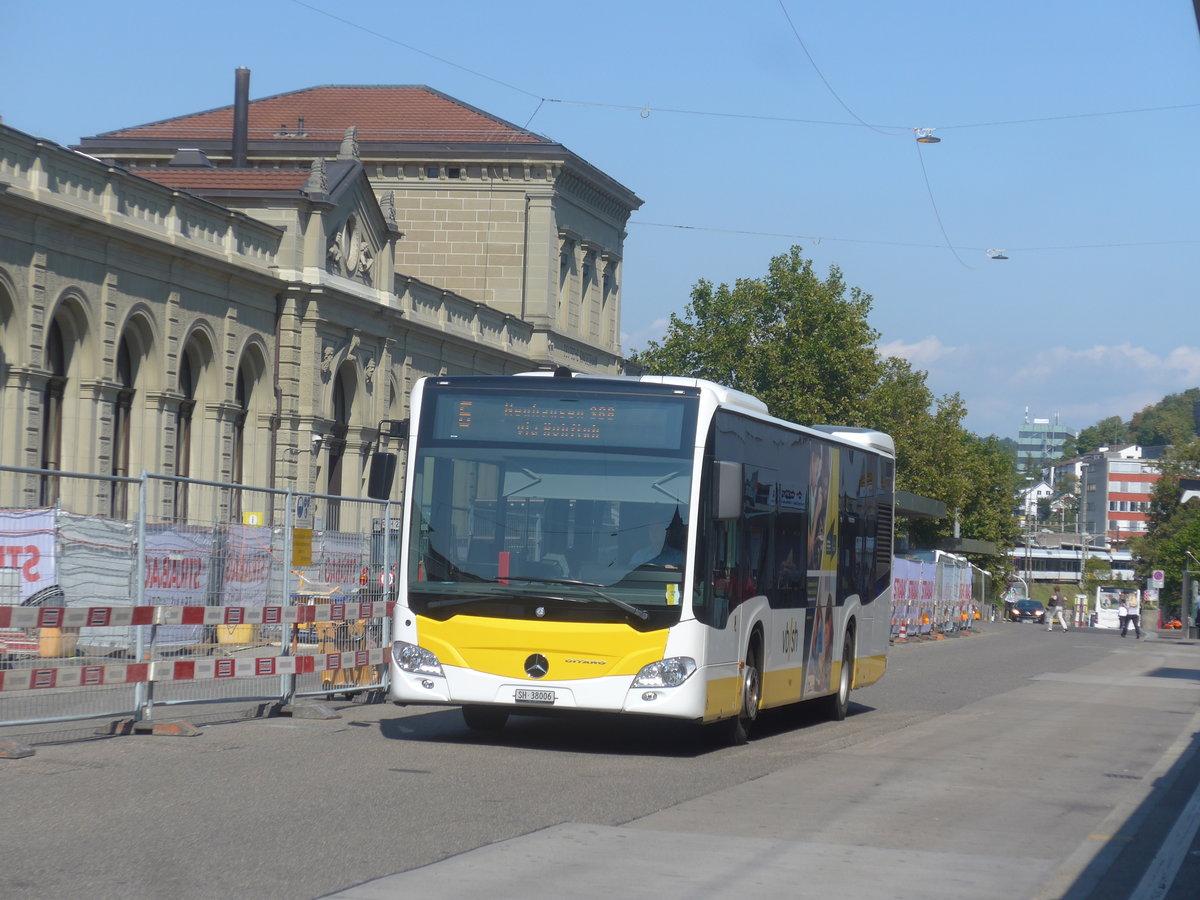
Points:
point(72, 676)
point(103, 616)
point(13, 640)
point(184, 670)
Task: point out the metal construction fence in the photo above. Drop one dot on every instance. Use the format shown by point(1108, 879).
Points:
point(204, 593)
point(934, 595)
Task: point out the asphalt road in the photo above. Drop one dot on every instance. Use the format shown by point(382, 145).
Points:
point(1011, 763)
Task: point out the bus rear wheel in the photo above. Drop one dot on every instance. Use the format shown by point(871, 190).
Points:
point(837, 704)
point(485, 718)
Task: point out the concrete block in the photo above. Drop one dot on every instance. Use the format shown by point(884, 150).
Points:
point(14, 750)
point(310, 711)
point(167, 729)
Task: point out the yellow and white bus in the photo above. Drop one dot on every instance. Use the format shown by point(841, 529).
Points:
point(649, 545)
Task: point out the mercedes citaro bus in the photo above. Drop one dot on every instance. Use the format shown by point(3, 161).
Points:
point(650, 545)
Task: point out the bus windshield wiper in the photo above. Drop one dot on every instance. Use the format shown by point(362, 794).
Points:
point(477, 596)
point(588, 586)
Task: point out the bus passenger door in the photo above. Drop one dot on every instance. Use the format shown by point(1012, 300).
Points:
point(718, 604)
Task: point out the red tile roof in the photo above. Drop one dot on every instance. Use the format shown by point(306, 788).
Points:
point(395, 113)
point(226, 179)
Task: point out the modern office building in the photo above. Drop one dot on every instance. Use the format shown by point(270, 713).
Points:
point(1040, 442)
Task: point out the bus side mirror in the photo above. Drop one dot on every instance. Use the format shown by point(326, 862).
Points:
point(727, 483)
point(383, 470)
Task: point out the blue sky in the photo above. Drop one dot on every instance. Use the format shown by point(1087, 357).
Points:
point(1070, 138)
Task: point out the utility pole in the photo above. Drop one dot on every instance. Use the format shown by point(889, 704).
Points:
point(1187, 609)
point(1081, 614)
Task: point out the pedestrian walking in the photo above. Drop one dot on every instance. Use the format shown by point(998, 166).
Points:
point(1056, 611)
point(1133, 615)
point(1123, 615)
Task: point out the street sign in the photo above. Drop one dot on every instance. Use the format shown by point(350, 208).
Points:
point(1156, 579)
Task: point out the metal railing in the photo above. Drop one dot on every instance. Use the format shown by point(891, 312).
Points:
point(210, 593)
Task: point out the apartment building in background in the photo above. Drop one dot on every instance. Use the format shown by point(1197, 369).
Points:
point(1116, 484)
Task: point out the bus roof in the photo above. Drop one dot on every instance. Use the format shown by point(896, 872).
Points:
point(731, 398)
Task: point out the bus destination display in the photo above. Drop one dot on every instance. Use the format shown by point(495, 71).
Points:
point(592, 419)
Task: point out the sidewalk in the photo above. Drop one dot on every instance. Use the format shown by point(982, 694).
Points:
point(865, 820)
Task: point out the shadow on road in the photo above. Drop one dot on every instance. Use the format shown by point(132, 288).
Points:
point(600, 733)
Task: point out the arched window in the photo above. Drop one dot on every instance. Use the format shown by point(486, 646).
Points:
point(52, 413)
point(183, 432)
point(343, 398)
point(122, 416)
point(241, 399)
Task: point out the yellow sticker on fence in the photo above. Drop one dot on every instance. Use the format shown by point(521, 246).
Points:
point(302, 547)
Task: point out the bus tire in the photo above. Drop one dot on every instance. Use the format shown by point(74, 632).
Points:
point(485, 718)
point(741, 724)
point(837, 704)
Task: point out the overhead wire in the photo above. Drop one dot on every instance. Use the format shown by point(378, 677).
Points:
point(399, 43)
point(825, 81)
point(819, 238)
point(645, 110)
point(903, 130)
point(936, 213)
point(899, 130)
point(924, 173)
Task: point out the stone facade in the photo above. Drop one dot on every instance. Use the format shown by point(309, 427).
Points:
point(257, 326)
point(489, 212)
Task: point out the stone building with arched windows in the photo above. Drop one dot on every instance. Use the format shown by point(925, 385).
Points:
point(220, 297)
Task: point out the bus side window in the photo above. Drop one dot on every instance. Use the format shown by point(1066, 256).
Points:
point(709, 602)
point(723, 543)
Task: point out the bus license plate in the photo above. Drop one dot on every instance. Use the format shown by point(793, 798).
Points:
point(523, 695)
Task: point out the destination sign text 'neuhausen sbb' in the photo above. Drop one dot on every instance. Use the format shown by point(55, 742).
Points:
point(539, 422)
point(575, 418)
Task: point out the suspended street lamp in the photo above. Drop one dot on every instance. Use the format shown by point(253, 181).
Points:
point(996, 254)
point(925, 136)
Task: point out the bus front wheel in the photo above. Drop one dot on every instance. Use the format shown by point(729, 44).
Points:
point(485, 718)
point(740, 725)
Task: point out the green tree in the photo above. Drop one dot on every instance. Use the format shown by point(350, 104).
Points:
point(1105, 433)
point(987, 511)
point(1043, 509)
point(803, 344)
point(1067, 495)
point(1170, 421)
point(799, 343)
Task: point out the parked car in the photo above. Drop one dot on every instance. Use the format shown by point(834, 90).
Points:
point(1029, 611)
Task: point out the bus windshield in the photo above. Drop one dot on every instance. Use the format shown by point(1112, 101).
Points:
point(580, 501)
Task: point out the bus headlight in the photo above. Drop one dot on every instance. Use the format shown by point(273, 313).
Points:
point(666, 672)
point(411, 658)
